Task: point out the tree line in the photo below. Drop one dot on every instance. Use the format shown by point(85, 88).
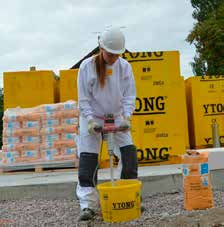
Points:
point(207, 36)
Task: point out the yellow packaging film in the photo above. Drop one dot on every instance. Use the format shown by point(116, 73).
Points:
point(147, 66)
point(57, 90)
point(159, 123)
point(28, 88)
point(68, 85)
point(205, 106)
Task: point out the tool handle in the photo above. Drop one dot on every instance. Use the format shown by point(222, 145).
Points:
point(107, 129)
point(98, 129)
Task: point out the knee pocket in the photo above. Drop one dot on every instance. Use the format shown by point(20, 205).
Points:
point(129, 162)
point(88, 165)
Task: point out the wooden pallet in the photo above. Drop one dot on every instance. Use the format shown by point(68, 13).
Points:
point(38, 167)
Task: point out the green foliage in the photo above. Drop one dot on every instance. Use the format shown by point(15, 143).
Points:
point(208, 37)
point(204, 8)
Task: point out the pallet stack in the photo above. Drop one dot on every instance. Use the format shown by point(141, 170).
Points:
point(30, 88)
point(40, 134)
point(159, 122)
point(205, 106)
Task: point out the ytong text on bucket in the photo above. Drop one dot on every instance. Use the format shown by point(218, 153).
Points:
point(123, 205)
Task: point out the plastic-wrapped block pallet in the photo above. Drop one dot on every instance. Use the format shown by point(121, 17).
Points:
point(159, 123)
point(205, 100)
point(68, 85)
point(29, 88)
point(147, 66)
point(47, 132)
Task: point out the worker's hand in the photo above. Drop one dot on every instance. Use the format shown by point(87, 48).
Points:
point(126, 123)
point(94, 127)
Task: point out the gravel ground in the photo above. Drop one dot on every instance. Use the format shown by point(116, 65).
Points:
point(163, 209)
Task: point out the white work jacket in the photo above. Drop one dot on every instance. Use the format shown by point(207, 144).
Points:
point(116, 97)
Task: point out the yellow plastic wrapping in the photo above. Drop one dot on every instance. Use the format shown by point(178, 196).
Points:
point(205, 105)
point(28, 88)
point(68, 85)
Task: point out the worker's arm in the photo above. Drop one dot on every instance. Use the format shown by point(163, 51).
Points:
point(84, 96)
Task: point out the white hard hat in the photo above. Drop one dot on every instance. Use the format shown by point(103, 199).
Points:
point(113, 41)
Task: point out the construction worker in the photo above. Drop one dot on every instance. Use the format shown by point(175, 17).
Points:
point(105, 86)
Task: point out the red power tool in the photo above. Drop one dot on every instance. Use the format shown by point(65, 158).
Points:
point(108, 131)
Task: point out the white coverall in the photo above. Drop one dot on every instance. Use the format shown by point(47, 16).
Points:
point(117, 97)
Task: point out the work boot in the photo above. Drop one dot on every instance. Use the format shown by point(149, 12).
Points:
point(86, 214)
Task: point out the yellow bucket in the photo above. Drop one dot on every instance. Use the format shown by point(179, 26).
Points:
point(121, 201)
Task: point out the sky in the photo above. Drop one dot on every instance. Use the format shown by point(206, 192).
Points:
point(55, 34)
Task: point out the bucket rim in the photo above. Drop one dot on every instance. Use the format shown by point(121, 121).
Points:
point(105, 185)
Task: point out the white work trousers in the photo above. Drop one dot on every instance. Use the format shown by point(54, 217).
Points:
point(88, 196)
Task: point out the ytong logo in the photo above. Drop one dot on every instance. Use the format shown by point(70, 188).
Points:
point(148, 155)
point(209, 140)
point(123, 205)
point(143, 56)
point(212, 78)
point(150, 105)
point(213, 109)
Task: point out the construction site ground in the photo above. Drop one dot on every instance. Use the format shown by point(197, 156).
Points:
point(163, 209)
point(48, 199)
